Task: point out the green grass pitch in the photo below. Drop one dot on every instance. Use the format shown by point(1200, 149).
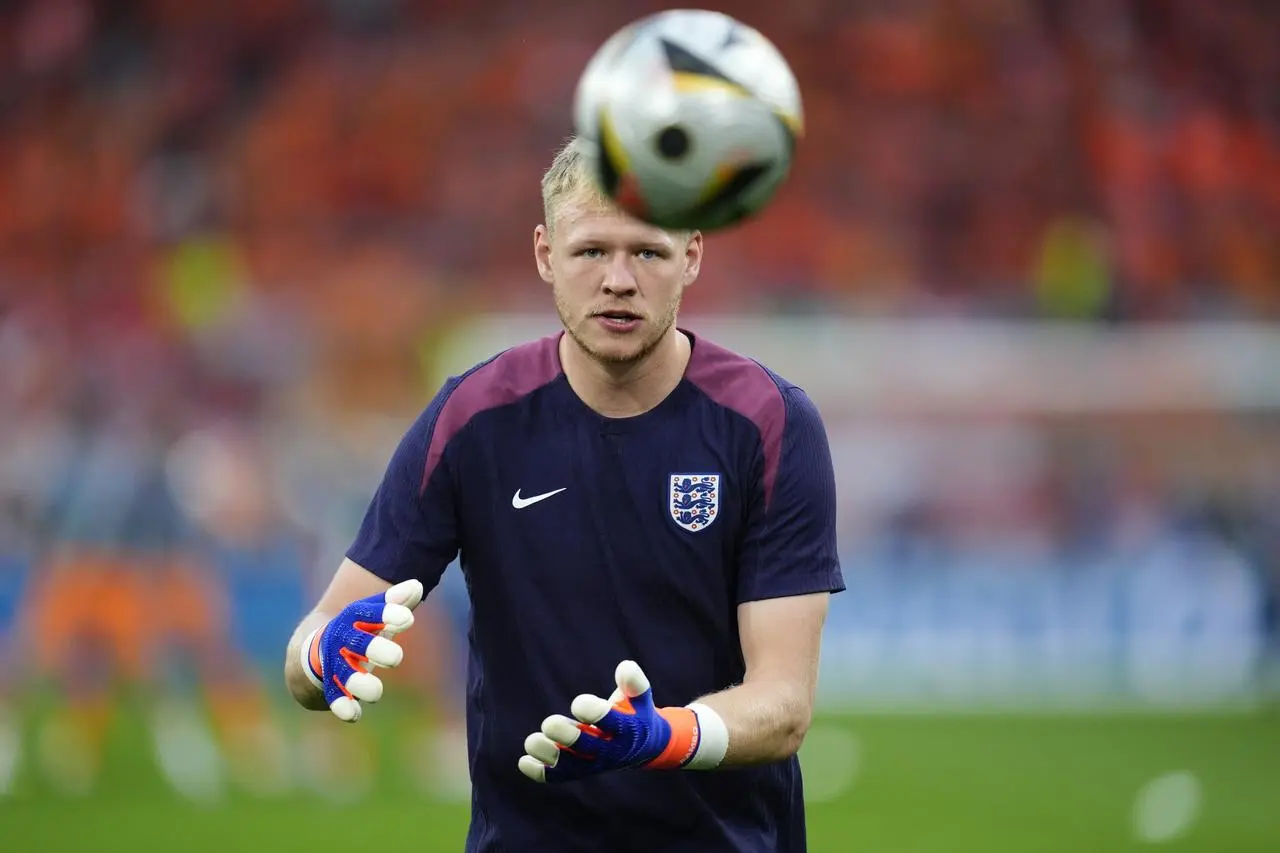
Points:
point(878, 783)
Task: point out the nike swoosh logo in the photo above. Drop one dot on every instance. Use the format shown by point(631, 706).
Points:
point(520, 503)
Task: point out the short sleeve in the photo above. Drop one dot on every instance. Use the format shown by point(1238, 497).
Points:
point(790, 544)
point(410, 528)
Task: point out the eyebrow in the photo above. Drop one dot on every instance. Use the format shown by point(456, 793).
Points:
point(634, 245)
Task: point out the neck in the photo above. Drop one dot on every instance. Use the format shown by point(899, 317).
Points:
point(626, 390)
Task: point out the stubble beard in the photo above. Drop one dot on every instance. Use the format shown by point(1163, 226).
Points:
point(576, 331)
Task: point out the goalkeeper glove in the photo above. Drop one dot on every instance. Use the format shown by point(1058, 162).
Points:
point(339, 656)
point(622, 732)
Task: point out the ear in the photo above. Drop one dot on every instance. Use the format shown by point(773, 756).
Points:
point(692, 257)
point(542, 253)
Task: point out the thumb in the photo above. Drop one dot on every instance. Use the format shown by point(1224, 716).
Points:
point(633, 684)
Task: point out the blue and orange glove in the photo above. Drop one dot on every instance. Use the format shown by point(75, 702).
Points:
point(624, 731)
point(339, 657)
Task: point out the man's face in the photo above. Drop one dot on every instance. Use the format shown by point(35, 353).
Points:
point(617, 281)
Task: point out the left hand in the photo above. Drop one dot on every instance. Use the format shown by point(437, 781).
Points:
point(620, 732)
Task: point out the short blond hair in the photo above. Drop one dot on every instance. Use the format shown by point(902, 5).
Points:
point(568, 177)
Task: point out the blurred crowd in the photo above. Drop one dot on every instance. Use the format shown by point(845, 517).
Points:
point(232, 234)
point(1102, 158)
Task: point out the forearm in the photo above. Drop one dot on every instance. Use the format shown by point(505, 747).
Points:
point(303, 690)
point(766, 720)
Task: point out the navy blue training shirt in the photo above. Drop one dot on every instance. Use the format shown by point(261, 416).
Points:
point(586, 540)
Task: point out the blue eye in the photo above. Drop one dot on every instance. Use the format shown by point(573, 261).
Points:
point(590, 253)
point(649, 254)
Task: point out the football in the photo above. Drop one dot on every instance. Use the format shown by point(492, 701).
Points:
point(690, 119)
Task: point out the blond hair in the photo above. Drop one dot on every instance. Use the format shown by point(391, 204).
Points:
point(567, 177)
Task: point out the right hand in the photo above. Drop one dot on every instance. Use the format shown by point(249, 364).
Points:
point(339, 656)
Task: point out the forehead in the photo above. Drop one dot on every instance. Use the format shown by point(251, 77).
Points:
point(583, 218)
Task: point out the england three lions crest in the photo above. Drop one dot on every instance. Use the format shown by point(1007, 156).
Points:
point(694, 500)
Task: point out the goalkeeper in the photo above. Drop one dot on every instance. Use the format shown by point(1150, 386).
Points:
point(646, 523)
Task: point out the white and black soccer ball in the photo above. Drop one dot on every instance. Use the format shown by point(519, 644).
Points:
point(690, 119)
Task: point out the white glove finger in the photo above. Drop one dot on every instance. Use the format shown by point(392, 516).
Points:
point(396, 619)
point(589, 709)
point(533, 768)
point(631, 679)
point(542, 748)
point(561, 729)
point(384, 652)
point(406, 593)
point(346, 709)
point(365, 687)
point(616, 696)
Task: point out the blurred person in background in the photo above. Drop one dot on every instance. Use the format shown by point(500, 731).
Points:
point(36, 392)
point(253, 558)
point(120, 602)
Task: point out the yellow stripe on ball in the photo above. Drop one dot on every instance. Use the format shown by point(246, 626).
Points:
point(612, 144)
point(687, 82)
point(794, 123)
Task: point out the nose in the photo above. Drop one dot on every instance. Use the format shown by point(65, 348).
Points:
point(619, 278)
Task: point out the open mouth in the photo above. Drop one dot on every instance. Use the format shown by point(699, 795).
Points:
point(618, 321)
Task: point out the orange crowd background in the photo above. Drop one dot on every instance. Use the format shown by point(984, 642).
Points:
point(1096, 158)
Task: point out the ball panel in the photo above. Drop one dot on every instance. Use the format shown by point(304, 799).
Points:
point(737, 52)
point(722, 201)
point(682, 61)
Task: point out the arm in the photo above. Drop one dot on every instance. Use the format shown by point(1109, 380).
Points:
point(408, 534)
point(767, 716)
point(349, 583)
point(788, 569)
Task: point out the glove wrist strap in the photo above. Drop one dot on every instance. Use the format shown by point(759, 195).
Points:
point(310, 653)
point(712, 741)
